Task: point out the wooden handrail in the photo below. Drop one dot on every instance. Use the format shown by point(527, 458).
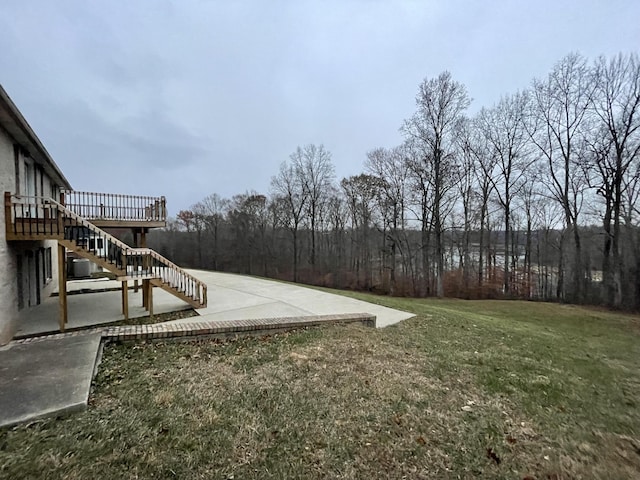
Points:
point(85, 223)
point(113, 206)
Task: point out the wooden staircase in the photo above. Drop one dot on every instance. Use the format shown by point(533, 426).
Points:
point(41, 218)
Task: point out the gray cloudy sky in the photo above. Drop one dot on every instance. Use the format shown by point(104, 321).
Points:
point(184, 98)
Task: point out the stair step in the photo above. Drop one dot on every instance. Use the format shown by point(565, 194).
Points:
point(136, 277)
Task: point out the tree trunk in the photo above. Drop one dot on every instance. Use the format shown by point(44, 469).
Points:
point(507, 259)
point(295, 254)
point(527, 255)
point(437, 220)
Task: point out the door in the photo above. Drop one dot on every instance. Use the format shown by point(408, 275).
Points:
point(32, 286)
point(21, 281)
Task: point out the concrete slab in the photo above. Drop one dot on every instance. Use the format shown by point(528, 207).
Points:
point(233, 297)
point(265, 310)
point(230, 297)
point(91, 285)
point(87, 309)
point(46, 377)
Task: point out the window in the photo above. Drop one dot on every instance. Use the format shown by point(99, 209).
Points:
point(29, 179)
point(96, 244)
point(16, 161)
point(48, 275)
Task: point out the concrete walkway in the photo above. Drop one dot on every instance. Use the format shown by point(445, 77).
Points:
point(46, 378)
point(234, 297)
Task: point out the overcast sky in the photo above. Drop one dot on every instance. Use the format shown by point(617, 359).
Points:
point(185, 98)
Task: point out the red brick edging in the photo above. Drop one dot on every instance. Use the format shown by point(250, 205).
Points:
point(210, 328)
point(225, 328)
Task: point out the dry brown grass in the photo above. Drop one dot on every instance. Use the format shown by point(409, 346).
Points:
point(449, 394)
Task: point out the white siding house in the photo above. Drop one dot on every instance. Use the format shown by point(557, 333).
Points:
point(29, 268)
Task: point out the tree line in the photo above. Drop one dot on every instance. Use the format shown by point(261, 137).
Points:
point(534, 197)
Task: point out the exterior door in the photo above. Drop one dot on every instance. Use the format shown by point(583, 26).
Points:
point(32, 287)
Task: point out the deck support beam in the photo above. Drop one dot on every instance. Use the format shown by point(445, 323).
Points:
point(150, 298)
point(145, 296)
point(135, 244)
point(125, 299)
point(62, 287)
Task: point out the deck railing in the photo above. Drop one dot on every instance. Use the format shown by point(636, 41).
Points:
point(113, 206)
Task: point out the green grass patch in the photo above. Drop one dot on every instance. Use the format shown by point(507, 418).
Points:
point(466, 389)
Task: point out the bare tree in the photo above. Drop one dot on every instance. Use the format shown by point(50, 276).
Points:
point(360, 193)
point(314, 167)
point(543, 175)
point(560, 106)
point(504, 129)
point(292, 196)
point(465, 185)
point(390, 167)
point(632, 226)
point(199, 225)
point(440, 103)
point(483, 168)
point(420, 202)
point(336, 241)
point(212, 209)
point(186, 219)
point(617, 106)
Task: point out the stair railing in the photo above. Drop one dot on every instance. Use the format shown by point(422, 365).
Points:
point(175, 277)
point(61, 222)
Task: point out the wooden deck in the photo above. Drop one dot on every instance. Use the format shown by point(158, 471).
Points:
point(26, 220)
point(109, 210)
point(42, 218)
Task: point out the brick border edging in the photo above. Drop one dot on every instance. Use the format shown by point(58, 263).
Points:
point(189, 330)
point(226, 328)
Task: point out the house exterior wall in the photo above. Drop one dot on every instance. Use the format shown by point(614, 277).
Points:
point(8, 283)
point(29, 269)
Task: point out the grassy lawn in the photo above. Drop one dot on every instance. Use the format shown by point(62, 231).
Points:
point(466, 389)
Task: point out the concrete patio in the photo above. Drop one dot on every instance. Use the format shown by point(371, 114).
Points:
point(231, 297)
point(99, 303)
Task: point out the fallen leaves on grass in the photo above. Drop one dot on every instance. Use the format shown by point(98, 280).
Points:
point(491, 454)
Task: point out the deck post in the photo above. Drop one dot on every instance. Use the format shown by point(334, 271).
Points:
point(150, 298)
point(135, 244)
point(145, 265)
point(125, 299)
point(7, 209)
point(145, 294)
point(62, 286)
